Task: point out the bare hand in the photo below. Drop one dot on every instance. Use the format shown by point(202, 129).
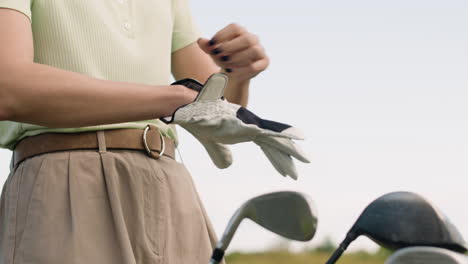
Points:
point(238, 52)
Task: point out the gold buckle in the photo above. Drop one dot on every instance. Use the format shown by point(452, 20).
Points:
point(148, 150)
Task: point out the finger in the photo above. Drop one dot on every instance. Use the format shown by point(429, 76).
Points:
point(208, 47)
point(252, 69)
point(245, 57)
point(219, 153)
point(271, 157)
point(240, 43)
point(224, 62)
point(229, 32)
point(281, 162)
point(286, 146)
point(204, 45)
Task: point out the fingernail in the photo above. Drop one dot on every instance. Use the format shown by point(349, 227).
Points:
point(228, 70)
point(212, 42)
point(225, 58)
point(216, 51)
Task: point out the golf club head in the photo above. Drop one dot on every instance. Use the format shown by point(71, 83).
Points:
point(286, 213)
point(426, 255)
point(403, 219)
point(289, 214)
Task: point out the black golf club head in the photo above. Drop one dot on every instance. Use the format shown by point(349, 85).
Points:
point(402, 219)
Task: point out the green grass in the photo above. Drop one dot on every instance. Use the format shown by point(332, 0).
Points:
point(312, 257)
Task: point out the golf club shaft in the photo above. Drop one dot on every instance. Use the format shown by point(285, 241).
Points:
point(217, 256)
point(343, 246)
point(336, 255)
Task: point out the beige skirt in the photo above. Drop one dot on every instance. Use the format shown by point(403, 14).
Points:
point(86, 207)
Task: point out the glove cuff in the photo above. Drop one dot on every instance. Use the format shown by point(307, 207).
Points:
point(216, 82)
point(189, 83)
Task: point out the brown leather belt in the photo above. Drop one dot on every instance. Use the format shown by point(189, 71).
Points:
point(149, 140)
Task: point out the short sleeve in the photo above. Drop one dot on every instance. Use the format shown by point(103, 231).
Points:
point(184, 31)
point(23, 6)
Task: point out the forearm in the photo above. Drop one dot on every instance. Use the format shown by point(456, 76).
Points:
point(43, 95)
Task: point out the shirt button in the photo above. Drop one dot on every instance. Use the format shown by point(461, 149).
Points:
point(127, 26)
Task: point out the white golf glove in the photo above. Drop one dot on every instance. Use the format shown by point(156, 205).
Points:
point(219, 153)
point(280, 152)
point(214, 122)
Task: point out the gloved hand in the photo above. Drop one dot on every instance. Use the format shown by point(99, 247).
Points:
point(213, 121)
point(223, 122)
point(219, 153)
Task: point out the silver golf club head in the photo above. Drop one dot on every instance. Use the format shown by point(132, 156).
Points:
point(426, 255)
point(403, 219)
point(289, 214)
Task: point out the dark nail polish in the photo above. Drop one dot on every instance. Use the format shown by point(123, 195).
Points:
point(212, 42)
point(228, 70)
point(216, 51)
point(225, 58)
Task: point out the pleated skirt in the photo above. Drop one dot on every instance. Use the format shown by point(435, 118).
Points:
point(90, 207)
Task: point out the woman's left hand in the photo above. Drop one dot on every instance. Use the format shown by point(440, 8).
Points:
point(237, 51)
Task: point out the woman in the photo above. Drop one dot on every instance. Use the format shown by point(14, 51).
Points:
point(80, 81)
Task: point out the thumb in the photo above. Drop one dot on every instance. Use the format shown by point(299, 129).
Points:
point(203, 43)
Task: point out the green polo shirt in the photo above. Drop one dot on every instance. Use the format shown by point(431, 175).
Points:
point(118, 40)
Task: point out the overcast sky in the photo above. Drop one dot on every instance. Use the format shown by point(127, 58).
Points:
point(378, 87)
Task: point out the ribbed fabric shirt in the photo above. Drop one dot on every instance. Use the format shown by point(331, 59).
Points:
point(118, 40)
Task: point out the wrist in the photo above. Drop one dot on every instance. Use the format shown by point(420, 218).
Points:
point(170, 98)
point(183, 95)
point(236, 79)
point(239, 82)
point(237, 91)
